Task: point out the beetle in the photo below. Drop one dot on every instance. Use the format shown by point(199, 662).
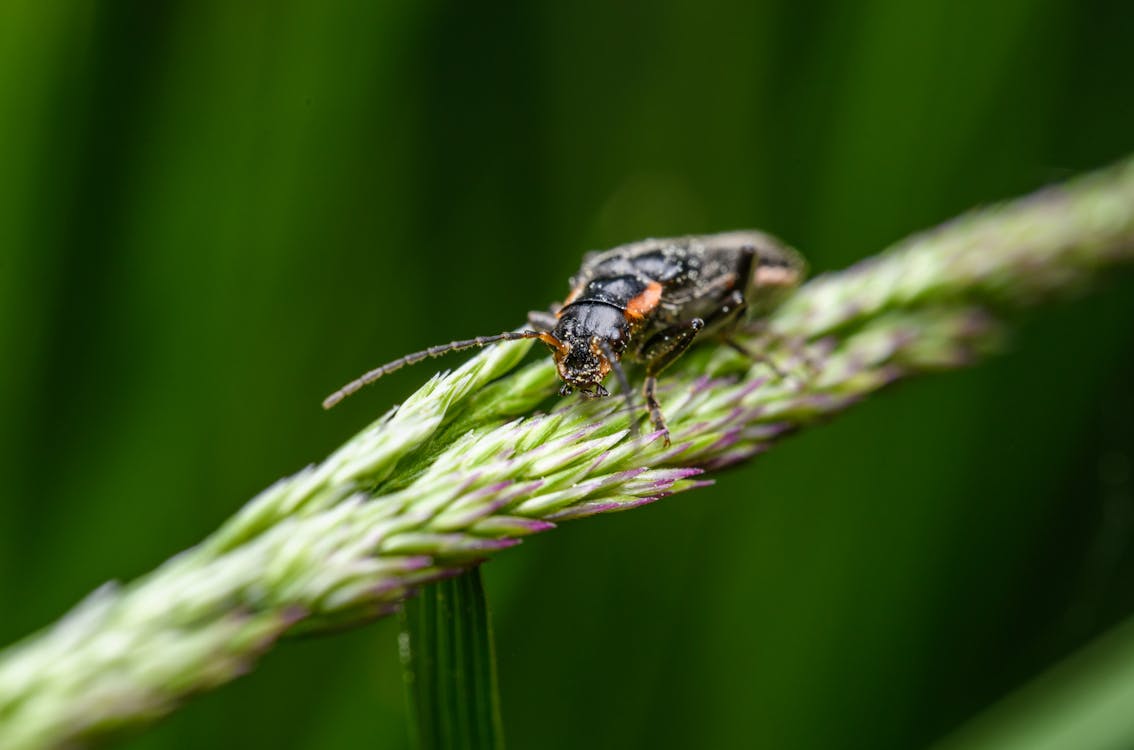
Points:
point(645, 302)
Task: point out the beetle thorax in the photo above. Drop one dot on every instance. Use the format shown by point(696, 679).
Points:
point(589, 331)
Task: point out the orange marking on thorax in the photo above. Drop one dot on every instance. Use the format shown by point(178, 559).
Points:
point(641, 305)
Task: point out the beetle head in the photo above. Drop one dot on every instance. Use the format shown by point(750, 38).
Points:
point(582, 366)
point(582, 363)
point(589, 339)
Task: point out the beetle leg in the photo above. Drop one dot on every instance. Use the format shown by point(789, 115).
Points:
point(659, 353)
point(733, 303)
point(755, 356)
point(777, 271)
point(623, 383)
point(730, 310)
point(744, 268)
point(542, 320)
point(797, 347)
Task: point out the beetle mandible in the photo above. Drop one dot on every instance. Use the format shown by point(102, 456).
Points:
point(646, 302)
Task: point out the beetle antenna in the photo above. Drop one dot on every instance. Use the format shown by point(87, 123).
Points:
point(435, 351)
point(623, 382)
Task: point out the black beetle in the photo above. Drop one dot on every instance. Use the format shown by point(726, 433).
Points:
point(647, 302)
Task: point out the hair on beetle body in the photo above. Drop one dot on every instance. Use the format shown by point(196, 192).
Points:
point(644, 302)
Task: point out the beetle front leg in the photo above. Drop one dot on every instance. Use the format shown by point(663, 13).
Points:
point(544, 320)
point(659, 353)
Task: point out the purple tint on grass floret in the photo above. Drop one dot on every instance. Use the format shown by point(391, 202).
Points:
point(486, 491)
point(666, 479)
point(853, 309)
point(752, 415)
point(701, 384)
point(752, 386)
point(903, 337)
point(720, 424)
point(517, 492)
point(854, 362)
point(736, 413)
point(479, 501)
point(825, 346)
point(661, 485)
point(551, 445)
point(849, 400)
point(243, 665)
point(470, 480)
point(768, 431)
point(976, 323)
point(674, 452)
point(889, 374)
point(384, 609)
point(506, 457)
point(533, 525)
point(530, 487)
point(593, 485)
point(697, 484)
point(955, 359)
point(476, 511)
point(600, 459)
point(491, 545)
point(284, 621)
point(586, 431)
point(292, 614)
point(414, 562)
point(639, 502)
point(697, 428)
point(513, 427)
point(726, 440)
point(628, 474)
point(582, 510)
point(573, 457)
point(734, 457)
point(683, 473)
point(557, 443)
point(446, 573)
point(384, 589)
point(822, 403)
point(374, 538)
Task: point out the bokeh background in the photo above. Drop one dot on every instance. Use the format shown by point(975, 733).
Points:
point(213, 213)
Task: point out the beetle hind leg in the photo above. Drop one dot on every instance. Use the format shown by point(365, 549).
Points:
point(659, 353)
point(654, 408)
point(801, 365)
point(763, 359)
point(728, 314)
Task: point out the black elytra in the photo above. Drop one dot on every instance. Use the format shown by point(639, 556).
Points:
point(646, 302)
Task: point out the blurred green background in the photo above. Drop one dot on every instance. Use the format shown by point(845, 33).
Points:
point(214, 213)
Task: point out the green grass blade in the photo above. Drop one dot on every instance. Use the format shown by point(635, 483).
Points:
point(449, 664)
point(1084, 703)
